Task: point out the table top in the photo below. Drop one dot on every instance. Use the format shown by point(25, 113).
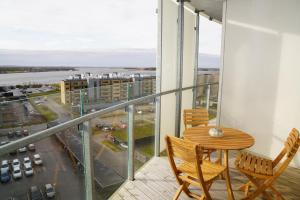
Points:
point(232, 139)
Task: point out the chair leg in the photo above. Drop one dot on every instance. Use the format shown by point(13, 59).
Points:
point(277, 193)
point(245, 187)
point(178, 192)
point(258, 185)
point(261, 189)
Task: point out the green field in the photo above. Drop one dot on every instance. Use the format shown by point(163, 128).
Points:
point(43, 93)
point(141, 130)
point(111, 145)
point(46, 112)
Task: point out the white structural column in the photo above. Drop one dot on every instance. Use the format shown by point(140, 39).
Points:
point(168, 53)
point(189, 59)
point(176, 62)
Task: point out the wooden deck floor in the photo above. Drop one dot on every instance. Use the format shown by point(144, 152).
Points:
point(155, 181)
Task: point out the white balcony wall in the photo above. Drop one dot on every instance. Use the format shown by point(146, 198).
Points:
point(261, 72)
point(169, 64)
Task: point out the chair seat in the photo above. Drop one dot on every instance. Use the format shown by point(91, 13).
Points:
point(254, 165)
point(209, 170)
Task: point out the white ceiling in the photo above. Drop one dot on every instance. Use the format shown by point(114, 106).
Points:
point(212, 8)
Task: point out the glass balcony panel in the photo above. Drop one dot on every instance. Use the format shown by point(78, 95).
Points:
point(53, 160)
point(110, 152)
point(144, 131)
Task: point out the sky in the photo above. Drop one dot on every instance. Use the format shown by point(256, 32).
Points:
point(88, 26)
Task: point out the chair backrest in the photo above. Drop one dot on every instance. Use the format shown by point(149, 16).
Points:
point(195, 117)
point(289, 151)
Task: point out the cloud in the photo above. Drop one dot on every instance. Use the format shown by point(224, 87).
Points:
point(109, 24)
point(88, 25)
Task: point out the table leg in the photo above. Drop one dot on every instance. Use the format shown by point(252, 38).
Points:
point(227, 176)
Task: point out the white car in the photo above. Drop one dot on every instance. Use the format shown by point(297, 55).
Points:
point(49, 190)
point(27, 161)
point(17, 173)
point(28, 169)
point(16, 163)
point(4, 165)
point(23, 150)
point(37, 159)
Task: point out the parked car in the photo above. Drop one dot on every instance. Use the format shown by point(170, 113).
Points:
point(27, 161)
point(124, 145)
point(4, 142)
point(100, 126)
point(28, 171)
point(10, 134)
point(106, 128)
point(25, 132)
point(16, 163)
point(18, 133)
point(31, 147)
point(4, 165)
point(49, 190)
point(23, 150)
point(17, 173)
point(4, 177)
point(37, 159)
point(35, 193)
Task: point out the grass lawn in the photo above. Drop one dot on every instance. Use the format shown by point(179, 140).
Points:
point(96, 131)
point(46, 112)
point(43, 93)
point(111, 145)
point(147, 149)
point(141, 130)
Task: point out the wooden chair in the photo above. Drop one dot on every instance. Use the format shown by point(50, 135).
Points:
point(192, 169)
point(195, 117)
point(263, 172)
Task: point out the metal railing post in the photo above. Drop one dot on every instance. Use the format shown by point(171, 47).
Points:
point(131, 142)
point(158, 77)
point(196, 58)
point(180, 36)
point(157, 127)
point(81, 103)
point(207, 96)
point(88, 160)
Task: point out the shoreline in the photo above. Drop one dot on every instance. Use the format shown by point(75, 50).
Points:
point(21, 69)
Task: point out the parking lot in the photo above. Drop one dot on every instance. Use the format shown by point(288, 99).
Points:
point(56, 169)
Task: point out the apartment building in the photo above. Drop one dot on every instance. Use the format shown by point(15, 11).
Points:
point(70, 89)
point(106, 87)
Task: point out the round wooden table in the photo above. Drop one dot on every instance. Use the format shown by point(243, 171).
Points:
point(233, 139)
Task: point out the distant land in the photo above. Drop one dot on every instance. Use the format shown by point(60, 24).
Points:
point(124, 58)
point(18, 69)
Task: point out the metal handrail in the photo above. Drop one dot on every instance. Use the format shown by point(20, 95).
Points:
point(74, 122)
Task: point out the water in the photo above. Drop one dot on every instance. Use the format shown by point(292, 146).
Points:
point(57, 76)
